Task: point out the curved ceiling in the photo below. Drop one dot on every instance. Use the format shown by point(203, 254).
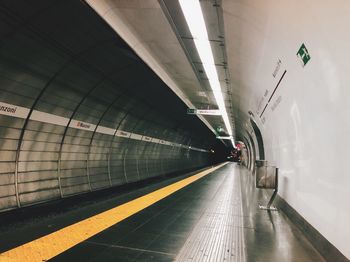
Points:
point(69, 66)
point(282, 64)
point(80, 111)
point(158, 33)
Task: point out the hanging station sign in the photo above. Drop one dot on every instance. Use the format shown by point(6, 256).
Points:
point(212, 112)
point(224, 137)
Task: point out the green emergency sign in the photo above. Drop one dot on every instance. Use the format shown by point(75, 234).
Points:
point(303, 54)
point(191, 111)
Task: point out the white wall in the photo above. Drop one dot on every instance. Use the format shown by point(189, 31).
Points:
point(306, 135)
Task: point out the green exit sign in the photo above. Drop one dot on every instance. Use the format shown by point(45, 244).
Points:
point(191, 111)
point(303, 54)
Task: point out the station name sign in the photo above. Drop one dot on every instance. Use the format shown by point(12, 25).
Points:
point(212, 112)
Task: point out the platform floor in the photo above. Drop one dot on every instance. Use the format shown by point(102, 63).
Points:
point(215, 218)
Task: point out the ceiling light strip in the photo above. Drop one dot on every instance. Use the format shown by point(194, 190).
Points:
point(195, 21)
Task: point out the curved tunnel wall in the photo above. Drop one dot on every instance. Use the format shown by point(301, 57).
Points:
point(79, 111)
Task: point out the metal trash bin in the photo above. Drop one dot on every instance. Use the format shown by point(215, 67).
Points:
point(266, 177)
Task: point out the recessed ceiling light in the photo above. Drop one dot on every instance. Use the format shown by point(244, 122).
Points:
point(195, 21)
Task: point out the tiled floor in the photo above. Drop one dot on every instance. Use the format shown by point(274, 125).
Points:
point(213, 219)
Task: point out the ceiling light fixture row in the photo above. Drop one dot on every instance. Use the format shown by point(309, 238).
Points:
point(195, 21)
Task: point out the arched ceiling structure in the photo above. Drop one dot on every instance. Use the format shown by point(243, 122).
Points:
point(87, 97)
point(80, 111)
point(282, 65)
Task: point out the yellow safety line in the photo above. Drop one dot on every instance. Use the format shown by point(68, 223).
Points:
point(53, 244)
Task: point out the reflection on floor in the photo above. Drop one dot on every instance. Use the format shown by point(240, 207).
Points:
point(213, 219)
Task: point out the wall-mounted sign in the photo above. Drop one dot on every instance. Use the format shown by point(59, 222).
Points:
point(146, 138)
point(276, 103)
point(212, 112)
point(277, 68)
point(122, 133)
point(303, 54)
point(81, 125)
point(135, 136)
point(13, 110)
point(47, 118)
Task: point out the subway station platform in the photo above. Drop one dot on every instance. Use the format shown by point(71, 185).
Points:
point(208, 215)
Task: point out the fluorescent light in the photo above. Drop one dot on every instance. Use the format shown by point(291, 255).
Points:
point(195, 21)
point(204, 51)
point(224, 137)
point(215, 86)
point(194, 17)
